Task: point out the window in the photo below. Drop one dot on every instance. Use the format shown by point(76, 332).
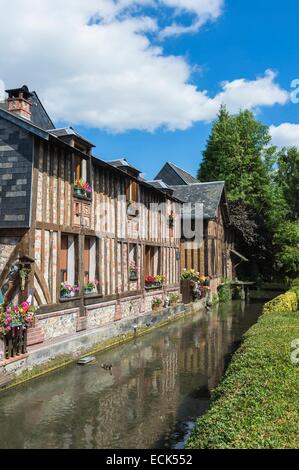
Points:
point(89, 261)
point(80, 168)
point(132, 192)
point(152, 260)
point(133, 262)
point(68, 259)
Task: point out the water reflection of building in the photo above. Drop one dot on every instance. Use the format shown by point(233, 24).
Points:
point(151, 384)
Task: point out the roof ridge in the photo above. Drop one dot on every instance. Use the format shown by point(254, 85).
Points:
point(176, 167)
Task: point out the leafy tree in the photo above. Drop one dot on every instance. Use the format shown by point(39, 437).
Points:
point(286, 239)
point(288, 180)
point(237, 153)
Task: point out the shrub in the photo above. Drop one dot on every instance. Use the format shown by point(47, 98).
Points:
point(225, 292)
point(257, 404)
point(295, 282)
point(284, 303)
point(296, 291)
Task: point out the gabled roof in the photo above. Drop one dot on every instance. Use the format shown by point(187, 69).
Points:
point(39, 116)
point(173, 175)
point(208, 194)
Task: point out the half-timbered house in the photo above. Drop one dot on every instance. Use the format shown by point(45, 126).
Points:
point(101, 243)
point(214, 256)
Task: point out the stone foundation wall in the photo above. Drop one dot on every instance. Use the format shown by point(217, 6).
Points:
point(58, 323)
point(100, 315)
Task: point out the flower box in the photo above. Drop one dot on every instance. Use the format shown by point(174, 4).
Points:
point(155, 285)
point(88, 291)
point(79, 193)
point(133, 277)
point(82, 189)
point(67, 291)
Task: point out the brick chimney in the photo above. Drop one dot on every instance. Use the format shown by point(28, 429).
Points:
point(18, 102)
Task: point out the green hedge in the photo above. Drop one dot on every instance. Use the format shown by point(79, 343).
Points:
point(287, 302)
point(257, 404)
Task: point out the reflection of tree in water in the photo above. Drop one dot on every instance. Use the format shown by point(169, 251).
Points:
point(154, 381)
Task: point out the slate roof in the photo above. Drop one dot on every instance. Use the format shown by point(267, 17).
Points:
point(173, 175)
point(39, 116)
point(123, 164)
point(68, 131)
point(208, 194)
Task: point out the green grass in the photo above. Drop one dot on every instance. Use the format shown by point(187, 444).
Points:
point(257, 404)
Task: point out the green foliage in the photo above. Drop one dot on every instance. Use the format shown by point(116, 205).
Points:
point(296, 291)
point(286, 240)
point(257, 404)
point(174, 298)
point(235, 154)
point(284, 303)
point(225, 292)
point(288, 179)
point(295, 282)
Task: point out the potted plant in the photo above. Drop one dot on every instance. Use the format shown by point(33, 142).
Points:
point(156, 303)
point(82, 189)
point(173, 298)
point(14, 321)
point(68, 291)
point(90, 287)
point(133, 271)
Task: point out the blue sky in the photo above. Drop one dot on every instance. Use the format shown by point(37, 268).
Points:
point(249, 38)
point(144, 78)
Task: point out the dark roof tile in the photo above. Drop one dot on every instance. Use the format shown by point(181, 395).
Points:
point(208, 194)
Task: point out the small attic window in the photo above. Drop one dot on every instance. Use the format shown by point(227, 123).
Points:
point(132, 191)
point(80, 168)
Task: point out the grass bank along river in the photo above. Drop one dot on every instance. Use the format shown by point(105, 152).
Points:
point(257, 404)
point(160, 383)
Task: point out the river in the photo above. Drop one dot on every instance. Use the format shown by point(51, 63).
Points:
point(160, 383)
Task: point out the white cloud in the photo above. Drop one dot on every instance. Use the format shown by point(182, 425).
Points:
point(107, 73)
point(203, 11)
point(285, 135)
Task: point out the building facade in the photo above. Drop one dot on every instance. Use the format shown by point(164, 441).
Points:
point(214, 256)
point(102, 243)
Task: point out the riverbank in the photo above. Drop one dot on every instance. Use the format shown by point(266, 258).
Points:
point(46, 358)
point(257, 404)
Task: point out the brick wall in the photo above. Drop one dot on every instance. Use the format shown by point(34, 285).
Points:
point(16, 149)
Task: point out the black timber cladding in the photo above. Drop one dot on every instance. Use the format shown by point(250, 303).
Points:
point(16, 152)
